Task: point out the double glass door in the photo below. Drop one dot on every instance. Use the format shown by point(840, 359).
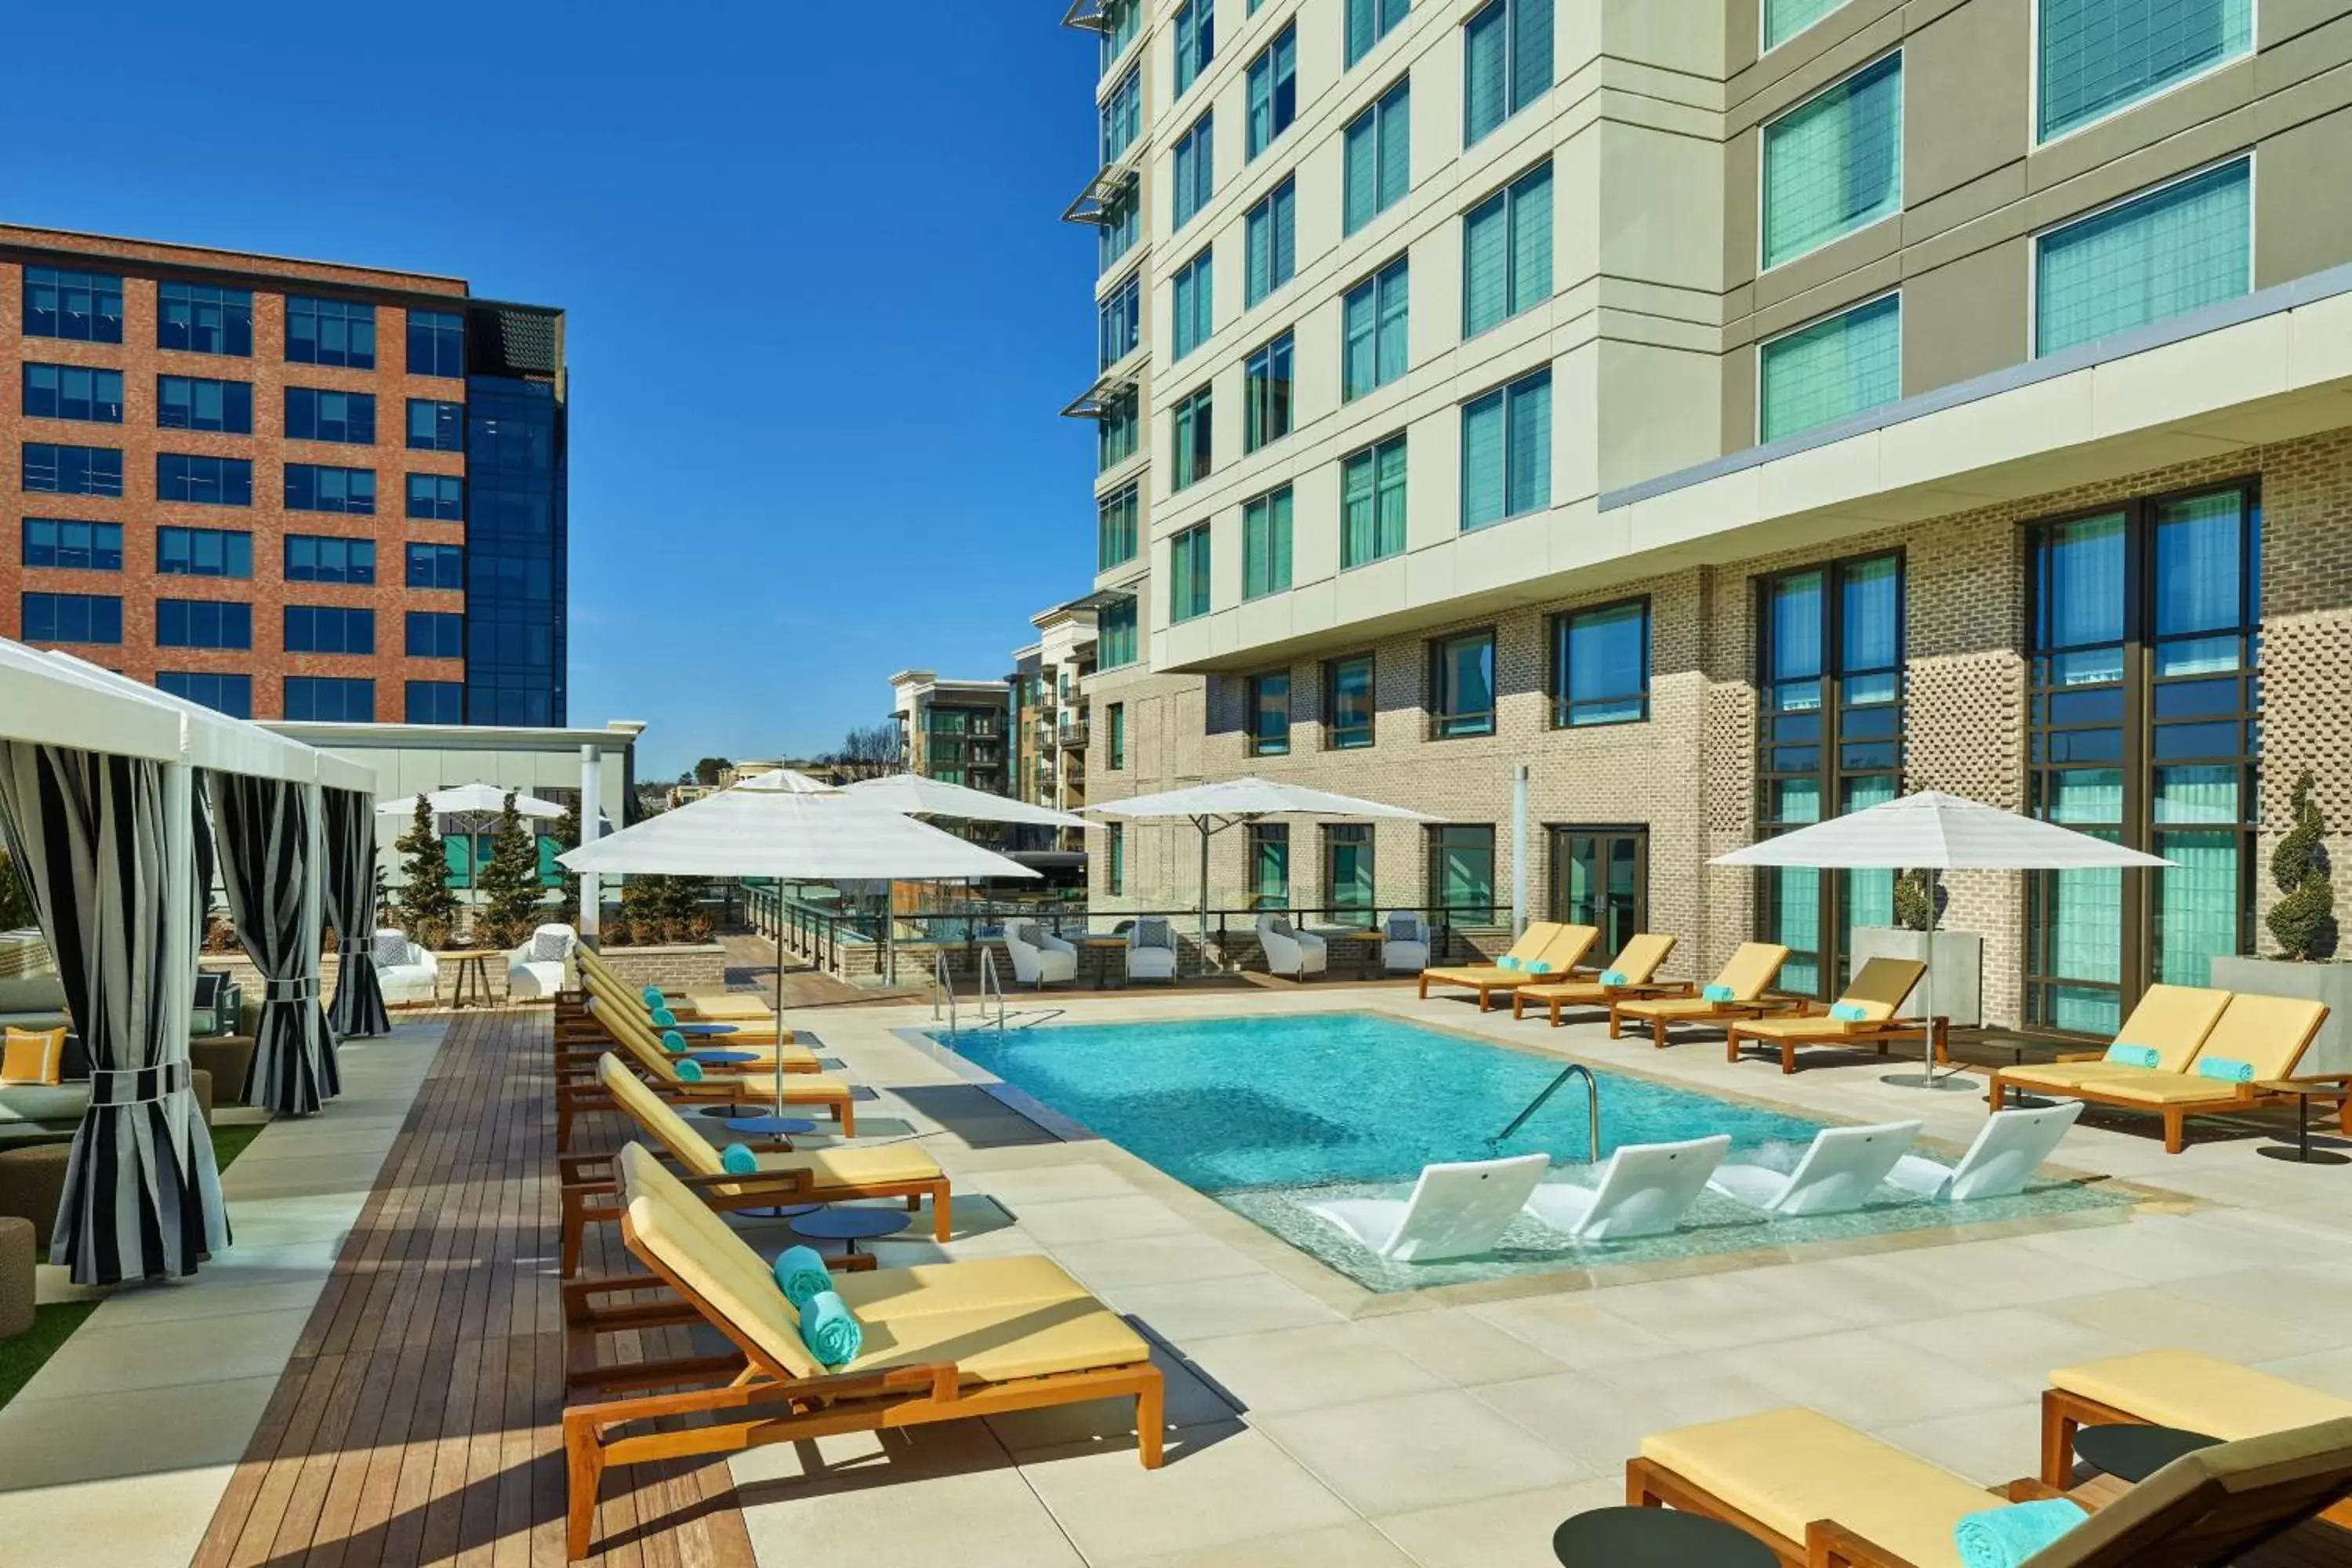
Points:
point(1600, 878)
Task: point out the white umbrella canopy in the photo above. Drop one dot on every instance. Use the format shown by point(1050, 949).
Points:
point(460, 800)
point(911, 795)
point(785, 781)
point(820, 836)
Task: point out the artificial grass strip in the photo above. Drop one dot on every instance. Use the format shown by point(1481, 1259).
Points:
point(230, 1142)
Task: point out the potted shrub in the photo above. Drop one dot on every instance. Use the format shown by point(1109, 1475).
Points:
point(1956, 963)
point(2302, 924)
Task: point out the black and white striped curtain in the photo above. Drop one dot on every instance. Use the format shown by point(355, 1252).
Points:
point(89, 832)
point(265, 834)
point(351, 907)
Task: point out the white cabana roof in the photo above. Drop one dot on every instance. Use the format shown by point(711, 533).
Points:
point(1943, 832)
point(821, 835)
point(460, 799)
point(784, 781)
point(911, 795)
point(56, 699)
point(1249, 797)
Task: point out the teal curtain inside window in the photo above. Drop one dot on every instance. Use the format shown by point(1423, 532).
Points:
point(1532, 240)
point(1266, 544)
point(1350, 867)
point(1528, 477)
point(2086, 927)
point(2099, 55)
point(1269, 866)
point(1833, 369)
point(2173, 250)
point(1485, 71)
point(1116, 634)
point(2197, 897)
point(1784, 19)
point(1482, 461)
point(1114, 878)
point(1195, 305)
point(1486, 265)
point(1462, 879)
point(1270, 235)
point(1834, 163)
point(1465, 685)
point(1351, 704)
point(1396, 145)
point(1187, 573)
point(1360, 172)
point(1369, 22)
point(1869, 893)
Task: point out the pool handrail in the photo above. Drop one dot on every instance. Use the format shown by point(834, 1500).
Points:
point(1592, 1104)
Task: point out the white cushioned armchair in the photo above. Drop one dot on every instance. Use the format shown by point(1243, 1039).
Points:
point(1289, 950)
point(1151, 949)
point(1404, 942)
point(406, 972)
point(536, 968)
point(1039, 959)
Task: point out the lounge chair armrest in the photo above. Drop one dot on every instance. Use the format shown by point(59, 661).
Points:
point(939, 1378)
point(1828, 1544)
point(762, 1185)
point(2029, 1489)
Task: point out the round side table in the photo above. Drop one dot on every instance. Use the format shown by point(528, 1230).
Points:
point(723, 1058)
point(1655, 1538)
point(2133, 1453)
point(851, 1226)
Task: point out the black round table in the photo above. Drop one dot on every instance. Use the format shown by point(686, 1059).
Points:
point(1655, 1538)
point(2133, 1453)
point(850, 1225)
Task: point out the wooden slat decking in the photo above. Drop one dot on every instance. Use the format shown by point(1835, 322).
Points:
point(418, 1420)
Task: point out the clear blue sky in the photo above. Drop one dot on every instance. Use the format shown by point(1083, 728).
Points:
point(821, 309)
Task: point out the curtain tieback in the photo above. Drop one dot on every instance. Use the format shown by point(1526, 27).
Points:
point(138, 1085)
point(303, 988)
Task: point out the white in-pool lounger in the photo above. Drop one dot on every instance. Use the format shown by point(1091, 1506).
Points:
point(1455, 1211)
point(2008, 1148)
point(1839, 1171)
point(1643, 1190)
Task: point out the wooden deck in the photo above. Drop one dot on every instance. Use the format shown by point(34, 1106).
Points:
point(418, 1419)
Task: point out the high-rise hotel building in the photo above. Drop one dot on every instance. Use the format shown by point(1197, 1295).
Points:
point(1736, 411)
point(287, 489)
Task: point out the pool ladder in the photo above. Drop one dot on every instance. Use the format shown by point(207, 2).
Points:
point(1592, 1106)
point(945, 981)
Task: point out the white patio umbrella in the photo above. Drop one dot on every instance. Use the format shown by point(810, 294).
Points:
point(1937, 832)
point(466, 800)
point(1213, 807)
point(915, 796)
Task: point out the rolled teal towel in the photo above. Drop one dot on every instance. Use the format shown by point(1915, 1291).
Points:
point(738, 1161)
point(1539, 967)
point(1506, 962)
point(2005, 1537)
point(1720, 994)
point(2229, 1069)
point(801, 1275)
point(830, 1330)
point(2133, 1056)
point(690, 1070)
point(664, 1018)
point(1850, 1013)
point(654, 998)
point(1615, 977)
point(673, 1042)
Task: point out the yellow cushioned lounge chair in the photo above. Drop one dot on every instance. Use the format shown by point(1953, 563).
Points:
point(1879, 989)
point(588, 1038)
point(580, 1095)
point(942, 1342)
point(1820, 1494)
point(606, 996)
point(1639, 963)
point(2268, 1034)
point(712, 1006)
point(1560, 953)
point(1749, 974)
point(820, 1176)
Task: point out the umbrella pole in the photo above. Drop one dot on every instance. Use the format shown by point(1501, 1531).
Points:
point(1202, 824)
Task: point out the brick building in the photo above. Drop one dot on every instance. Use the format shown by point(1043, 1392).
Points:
point(288, 489)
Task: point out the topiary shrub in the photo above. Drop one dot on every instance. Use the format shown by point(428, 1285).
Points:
point(1911, 899)
point(2302, 923)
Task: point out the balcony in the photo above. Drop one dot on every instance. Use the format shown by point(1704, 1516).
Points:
point(1072, 736)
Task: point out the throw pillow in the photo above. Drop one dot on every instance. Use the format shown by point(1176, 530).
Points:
point(33, 1057)
point(391, 949)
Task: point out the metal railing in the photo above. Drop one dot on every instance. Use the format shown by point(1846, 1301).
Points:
point(1592, 1110)
point(946, 984)
point(988, 982)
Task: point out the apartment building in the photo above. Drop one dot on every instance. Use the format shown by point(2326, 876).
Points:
point(296, 491)
point(1049, 712)
point(1734, 412)
point(952, 730)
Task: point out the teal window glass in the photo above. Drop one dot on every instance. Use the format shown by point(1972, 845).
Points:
point(1784, 19)
point(1122, 116)
point(1348, 880)
point(1195, 35)
point(1119, 321)
point(1507, 452)
point(1368, 21)
point(1116, 643)
point(1115, 869)
point(205, 552)
point(1834, 163)
point(1189, 425)
point(1193, 171)
point(1268, 698)
point(73, 392)
point(1505, 63)
point(1462, 874)
point(1118, 226)
point(1116, 429)
point(1270, 233)
point(1194, 311)
point(1832, 368)
point(1507, 253)
point(1114, 727)
point(72, 546)
point(1371, 503)
point(1347, 687)
point(1273, 89)
point(1115, 528)
point(1376, 159)
point(1269, 854)
point(2097, 56)
point(1265, 545)
point(1188, 575)
point(2186, 245)
point(1121, 20)
point(1600, 666)
point(1265, 386)
point(1462, 686)
point(1374, 327)
point(71, 617)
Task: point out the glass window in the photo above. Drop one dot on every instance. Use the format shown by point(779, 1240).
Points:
point(1600, 878)
point(72, 546)
point(1187, 573)
point(1195, 305)
point(436, 702)
point(439, 498)
point(72, 618)
point(1272, 88)
point(229, 694)
point(312, 487)
point(1347, 880)
point(1269, 713)
point(1116, 538)
point(1118, 427)
point(314, 416)
point(1368, 21)
point(187, 403)
point(320, 700)
point(1123, 19)
point(327, 629)
point(72, 470)
point(1115, 634)
point(203, 481)
point(73, 392)
point(1122, 116)
point(1462, 686)
point(1115, 866)
point(1600, 664)
point(1195, 34)
point(330, 332)
point(1195, 167)
point(1269, 855)
point(435, 634)
point(1507, 452)
point(1505, 63)
point(1507, 253)
point(437, 344)
point(435, 426)
point(1265, 386)
point(203, 623)
point(2098, 56)
point(436, 566)
point(1371, 503)
point(86, 307)
point(1832, 369)
point(1118, 225)
point(315, 558)
point(1119, 321)
point(1266, 544)
point(1115, 735)
point(1377, 159)
point(1190, 425)
point(1784, 19)
point(198, 319)
point(2183, 245)
point(1375, 326)
point(1834, 164)
point(1270, 233)
point(203, 552)
point(1462, 874)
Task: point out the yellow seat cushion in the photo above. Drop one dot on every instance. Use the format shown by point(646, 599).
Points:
point(727, 1004)
point(2159, 1088)
point(2173, 1021)
point(2268, 1034)
point(1674, 1008)
point(882, 1165)
point(1479, 974)
point(32, 1058)
point(980, 1284)
point(2199, 1393)
point(1815, 1029)
point(1568, 991)
point(2064, 1077)
point(800, 1087)
point(1786, 1469)
point(1883, 985)
point(999, 1345)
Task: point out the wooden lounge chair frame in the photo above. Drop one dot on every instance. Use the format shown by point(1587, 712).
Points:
point(744, 1399)
point(578, 1094)
point(591, 1195)
point(1763, 1005)
point(1550, 995)
point(1836, 1033)
point(2064, 1413)
point(1487, 979)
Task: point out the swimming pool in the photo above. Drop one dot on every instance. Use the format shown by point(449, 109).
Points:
point(1268, 1114)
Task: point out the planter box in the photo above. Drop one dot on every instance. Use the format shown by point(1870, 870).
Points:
point(1954, 984)
point(695, 966)
point(2329, 982)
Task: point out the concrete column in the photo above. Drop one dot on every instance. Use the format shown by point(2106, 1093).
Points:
point(1518, 849)
point(592, 813)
